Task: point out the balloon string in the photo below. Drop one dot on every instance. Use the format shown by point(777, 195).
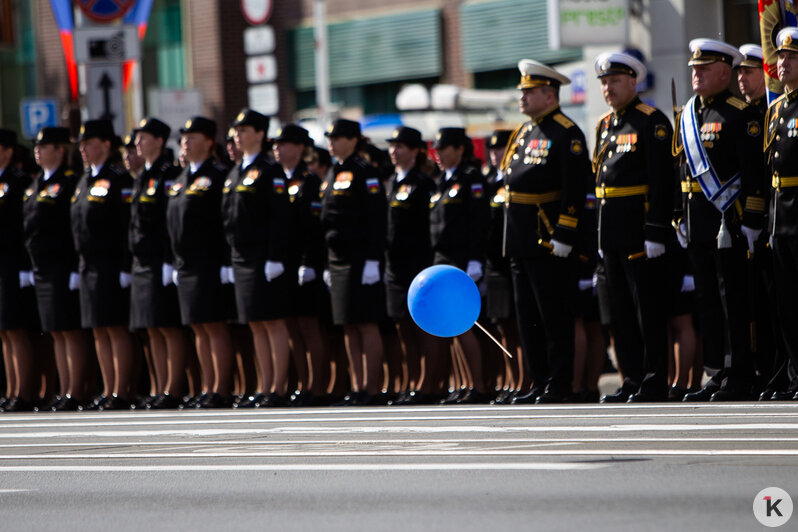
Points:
point(506, 352)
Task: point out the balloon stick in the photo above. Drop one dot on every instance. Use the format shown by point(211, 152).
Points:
point(506, 352)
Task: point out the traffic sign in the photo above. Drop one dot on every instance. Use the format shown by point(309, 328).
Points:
point(261, 68)
point(107, 43)
point(36, 114)
point(257, 11)
point(104, 94)
point(104, 10)
point(259, 40)
point(264, 98)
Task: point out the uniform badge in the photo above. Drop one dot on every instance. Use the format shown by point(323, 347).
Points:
point(477, 190)
point(434, 199)
point(454, 190)
point(322, 188)
point(576, 147)
point(174, 190)
point(315, 207)
point(753, 128)
point(53, 190)
point(373, 185)
point(711, 130)
point(100, 188)
point(127, 195)
point(660, 132)
point(200, 184)
point(152, 186)
point(403, 193)
point(293, 187)
point(343, 181)
point(251, 177)
point(4, 189)
point(279, 185)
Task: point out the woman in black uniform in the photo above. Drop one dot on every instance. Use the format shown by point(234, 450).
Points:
point(49, 243)
point(100, 213)
point(459, 222)
point(292, 145)
point(353, 217)
point(16, 279)
point(408, 251)
point(194, 222)
point(153, 297)
point(255, 212)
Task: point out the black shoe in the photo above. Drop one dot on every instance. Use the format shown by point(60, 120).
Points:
point(67, 404)
point(701, 396)
point(473, 397)
point(4, 400)
point(250, 401)
point(95, 403)
point(404, 398)
point(550, 397)
point(163, 401)
point(17, 404)
point(47, 407)
point(214, 400)
point(676, 393)
point(780, 395)
point(528, 398)
point(621, 395)
point(502, 397)
point(454, 397)
point(142, 402)
point(115, 402)
point(642, 397)
point(729, 395)
point(589, 396)
point(352, 399)
point(191, 401)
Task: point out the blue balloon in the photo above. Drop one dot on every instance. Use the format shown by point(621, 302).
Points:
point(444, 301)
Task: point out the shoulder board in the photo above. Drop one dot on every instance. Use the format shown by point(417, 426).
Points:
point(118, 170)
point(737, 102)
point(605, 115)
point(780, 98)
point(563, 120)
point(645, 108)
point(220, 167)
point(307, 173)
point(469, 170)
point(69, 173)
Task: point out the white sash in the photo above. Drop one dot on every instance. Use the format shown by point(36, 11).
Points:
point(722, 196)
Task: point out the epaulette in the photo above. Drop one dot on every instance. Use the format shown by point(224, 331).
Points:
point(604, 116)
point(470, 170)
point(165, 166)
point(307, 173)
point(563, 120)
point(511, 144)
point(736, 102)
point(486, 170)
point(645, 109)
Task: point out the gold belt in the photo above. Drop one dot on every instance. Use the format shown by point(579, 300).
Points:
point(621, 192)
point(691, 186)
point(533, 199)
point(784, 182)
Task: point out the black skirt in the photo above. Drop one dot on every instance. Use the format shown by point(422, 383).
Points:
point(59, 307)
point(258, 299)
point(201, 295)
point(499, 303)
point(398, 277)
point(17, 305)
point(103, 302)
point(151, 303)
point(352, 301)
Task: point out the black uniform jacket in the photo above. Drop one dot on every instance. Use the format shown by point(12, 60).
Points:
point(782, 156)
point(547, 171)
point(149, 240)
point(408, 241)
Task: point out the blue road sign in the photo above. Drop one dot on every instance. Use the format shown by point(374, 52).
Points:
point(37, 114)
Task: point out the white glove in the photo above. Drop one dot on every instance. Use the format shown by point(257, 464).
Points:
point(688, 283)
point(174, 276)
point(74, 281)
point(559, 249)
point(371, 273)
point(681, 234)
point(124, 279)
point(226, 275)
point(654, 249)
point(771, 241)
point(167, 274)
point(273, 270)
point(585, 284)
point(327, 278)
point(305, 275)
point(751, 235)
point(601, 253)
point(474, 270)
point(26, 279)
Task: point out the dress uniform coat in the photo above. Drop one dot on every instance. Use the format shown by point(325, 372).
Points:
point(17, 307)
point(100, 213)
point(459, 216)
point(547, 172)
point(199, 249)
point(306, 247)
point(353, 218)
point(255, 210)
point(634, 187)
point(49, 243)
point(731, 132)
point(782, 157)
point(151, 303)
point(408, 247)
point(498, 280)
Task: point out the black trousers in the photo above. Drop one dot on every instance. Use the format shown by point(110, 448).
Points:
point(544, 289)
point(638, 319)
point(770, 355)
point(785, 269)
point(721, 288)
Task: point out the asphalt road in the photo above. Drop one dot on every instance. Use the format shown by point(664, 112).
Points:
point(627, 467)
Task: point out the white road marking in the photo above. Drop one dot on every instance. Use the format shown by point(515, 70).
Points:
point(533, 466)
point(14, 490)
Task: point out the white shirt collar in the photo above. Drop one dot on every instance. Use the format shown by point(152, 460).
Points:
point(193, 167)
point(449, 173)
point(49, 173)
point(147, 166)
point(401, 174)
point(3, 169)
point(248, 159)
point(289, 172)
point(95, 169)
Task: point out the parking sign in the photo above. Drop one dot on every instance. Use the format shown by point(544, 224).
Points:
point(37, 114)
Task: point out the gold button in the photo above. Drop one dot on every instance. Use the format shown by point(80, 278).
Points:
point(603, 202)
point(604, 168)
point(776, 155)
point(778, 137)
point(689, 195)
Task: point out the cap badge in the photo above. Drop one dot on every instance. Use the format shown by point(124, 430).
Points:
point(240, 117)
point(788, 39)
point(606, 65)
point(697, 53)
point(395, 133)
point(188, 124)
